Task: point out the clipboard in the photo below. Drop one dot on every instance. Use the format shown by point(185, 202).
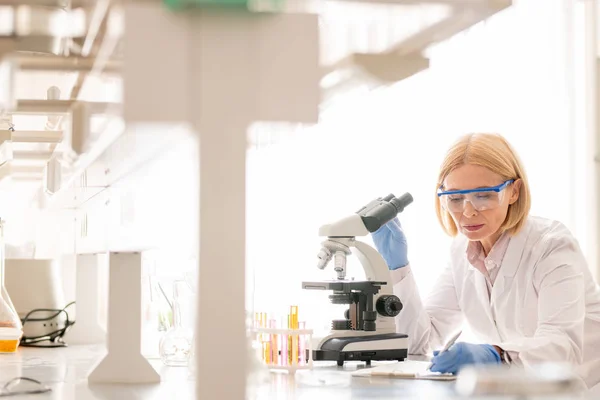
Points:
point(403, 370)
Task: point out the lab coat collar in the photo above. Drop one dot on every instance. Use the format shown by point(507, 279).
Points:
point(509, 267)
point(477, 258)
point(512, 257)
point(514, 252)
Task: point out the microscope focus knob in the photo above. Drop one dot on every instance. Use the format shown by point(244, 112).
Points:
point(388, 305)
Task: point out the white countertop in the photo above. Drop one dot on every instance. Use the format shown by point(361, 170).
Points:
point(328, 381)
point(65, 370)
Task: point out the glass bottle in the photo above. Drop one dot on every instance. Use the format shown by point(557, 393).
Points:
point(176, 344)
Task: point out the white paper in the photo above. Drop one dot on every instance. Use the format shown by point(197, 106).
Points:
point(405, 369)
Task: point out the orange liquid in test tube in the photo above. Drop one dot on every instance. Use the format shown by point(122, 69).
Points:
point(274, 346)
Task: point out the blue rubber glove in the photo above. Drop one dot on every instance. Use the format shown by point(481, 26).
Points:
point(390, 242)
point(463, 354)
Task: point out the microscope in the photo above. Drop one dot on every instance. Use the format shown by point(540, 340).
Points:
point(368, 330)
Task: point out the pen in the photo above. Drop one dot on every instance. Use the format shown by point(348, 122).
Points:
point(448, 344)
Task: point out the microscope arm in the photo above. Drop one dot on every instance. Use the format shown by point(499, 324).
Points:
point(341, 236)
point(373, 264)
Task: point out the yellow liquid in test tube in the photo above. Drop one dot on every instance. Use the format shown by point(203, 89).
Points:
point(294, 338)
point(268, 353)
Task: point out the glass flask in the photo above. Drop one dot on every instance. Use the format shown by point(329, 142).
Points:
point(11, 328)
point(176, 345)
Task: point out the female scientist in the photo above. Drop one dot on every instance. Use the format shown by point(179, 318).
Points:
point(520, 282)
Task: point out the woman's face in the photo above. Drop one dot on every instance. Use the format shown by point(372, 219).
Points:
point(479, 225)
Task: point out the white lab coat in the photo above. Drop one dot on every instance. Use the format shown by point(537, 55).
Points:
point(544, 305)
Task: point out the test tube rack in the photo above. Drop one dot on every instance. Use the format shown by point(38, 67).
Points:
point(284, 349)
point(288, 349)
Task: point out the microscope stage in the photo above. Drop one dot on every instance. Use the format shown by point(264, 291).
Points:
point(343, 285)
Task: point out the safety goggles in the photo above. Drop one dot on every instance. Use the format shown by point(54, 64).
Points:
point(481, 199)
point(22, 385)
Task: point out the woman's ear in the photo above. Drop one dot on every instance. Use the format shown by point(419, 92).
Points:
point(515, 189)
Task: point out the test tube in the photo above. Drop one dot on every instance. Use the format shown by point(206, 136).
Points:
point(285, 345)
point(289, 341)
point(294, 318)
point(258, 324)
point(274, 347)
point(302, 345)
point(297, 337)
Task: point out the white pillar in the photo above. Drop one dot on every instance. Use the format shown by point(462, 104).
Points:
point(250, 81)
point(88, 328)
point(124, 362)
point(222, 127)
point(227, 69)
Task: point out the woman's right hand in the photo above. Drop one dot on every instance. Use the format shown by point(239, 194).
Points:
point(390, 242)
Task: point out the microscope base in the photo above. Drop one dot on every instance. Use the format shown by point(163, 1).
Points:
point(377, 347)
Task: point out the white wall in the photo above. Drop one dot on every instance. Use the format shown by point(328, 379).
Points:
point(508, 75)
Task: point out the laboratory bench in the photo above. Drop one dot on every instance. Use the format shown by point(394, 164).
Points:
point(65, 371)
point(335, 383)
point(328, 381)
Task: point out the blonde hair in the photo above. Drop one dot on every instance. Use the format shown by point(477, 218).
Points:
point(493, 152)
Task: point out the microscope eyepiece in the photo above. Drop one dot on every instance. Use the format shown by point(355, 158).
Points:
point(402, 201)
point(389, 197)
point(382, 210)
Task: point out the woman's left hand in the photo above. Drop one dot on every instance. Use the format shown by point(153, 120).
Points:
point(463, 354)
